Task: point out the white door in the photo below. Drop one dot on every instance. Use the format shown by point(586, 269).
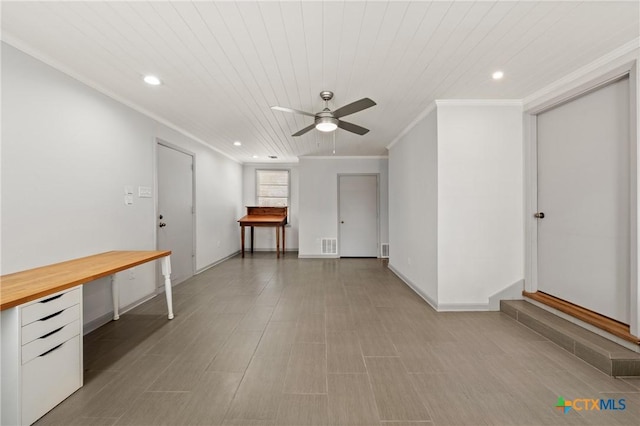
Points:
point(358, 215)
point(583, 191)
point(175, 214)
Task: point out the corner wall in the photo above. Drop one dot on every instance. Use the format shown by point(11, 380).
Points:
point(480, 201)
point(456, 204)
point(413, 207)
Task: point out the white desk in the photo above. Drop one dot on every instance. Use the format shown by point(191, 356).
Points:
point(42, 328)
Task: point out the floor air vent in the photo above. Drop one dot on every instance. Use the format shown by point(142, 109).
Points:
point(384, 250)
point(329, 246)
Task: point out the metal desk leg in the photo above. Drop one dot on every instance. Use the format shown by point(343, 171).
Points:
point(166, 272)
point(115, 293)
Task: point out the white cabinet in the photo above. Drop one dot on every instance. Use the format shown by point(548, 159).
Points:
point(41, 355)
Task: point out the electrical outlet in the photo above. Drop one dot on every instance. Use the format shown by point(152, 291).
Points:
point(408, 261)
point(218, 243)
point(132, 273)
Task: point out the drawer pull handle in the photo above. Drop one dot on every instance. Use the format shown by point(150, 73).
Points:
point(52, 298)
point(51, 350)
point(51, 316)
point(50, 333)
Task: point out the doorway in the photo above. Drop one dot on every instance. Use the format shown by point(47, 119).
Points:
point(176, 210)
point(584, 237)
point(358, 214)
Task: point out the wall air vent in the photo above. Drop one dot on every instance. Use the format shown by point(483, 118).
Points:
point(329, 246)
point(384, 250)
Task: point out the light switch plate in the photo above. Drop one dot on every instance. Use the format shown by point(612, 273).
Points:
point(145, 192)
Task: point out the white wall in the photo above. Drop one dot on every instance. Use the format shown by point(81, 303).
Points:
point(67, 153)
point(456, 203)
point(413, 207)
point(480, 200)
point(318, 208)
point(264, 238)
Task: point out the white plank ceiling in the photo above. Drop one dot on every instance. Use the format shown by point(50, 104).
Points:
point(223, 64)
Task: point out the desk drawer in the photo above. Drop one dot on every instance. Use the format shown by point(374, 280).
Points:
point(46, 325)
point(49, 342)
point(50, 305)
point(48, 379)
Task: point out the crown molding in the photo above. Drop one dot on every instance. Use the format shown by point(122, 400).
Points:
point(611, 60)
point(414, 123)
point(23, 47)
point(344, 157)
point(479, 102)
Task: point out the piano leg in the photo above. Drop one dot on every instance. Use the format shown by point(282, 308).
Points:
point(283, 240)
point(242, 239)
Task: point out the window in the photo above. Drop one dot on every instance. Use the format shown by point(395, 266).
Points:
point(272, 188)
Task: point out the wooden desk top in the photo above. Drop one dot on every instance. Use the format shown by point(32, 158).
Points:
point(25, 286)
point(259, 219)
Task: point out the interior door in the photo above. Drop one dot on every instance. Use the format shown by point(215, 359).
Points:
point(358, 215)
point(175, 210)
point(583, 191)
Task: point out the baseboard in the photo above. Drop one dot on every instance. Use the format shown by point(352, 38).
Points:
point(272, 250)
point(108, 317)
point(463, 307)
point(512, 292)
point(318, 256)
point(414, 287)
point(217, 262)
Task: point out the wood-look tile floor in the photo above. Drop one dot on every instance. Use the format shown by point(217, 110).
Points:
point(260, 341)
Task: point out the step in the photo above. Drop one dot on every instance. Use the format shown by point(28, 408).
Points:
point(605, 355)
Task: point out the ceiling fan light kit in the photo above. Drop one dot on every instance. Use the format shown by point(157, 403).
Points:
point(327, 120)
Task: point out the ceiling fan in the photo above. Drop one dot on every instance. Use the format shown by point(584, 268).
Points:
point(327, 120)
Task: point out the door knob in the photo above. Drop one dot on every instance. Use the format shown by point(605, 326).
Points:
point(162, 224)
point(539, 215)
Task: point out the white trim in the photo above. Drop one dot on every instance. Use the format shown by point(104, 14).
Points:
point(479, 102)
point(18, 44)
point(424, 114)
point(377, 176)
point(594, 75)
point(217, 262)
point(511, 292)
point(414, 287)
point(587, 326)
point(463, 307)
point(612, 58)
point(318, 256)
point(194, 221)
point(344, 157)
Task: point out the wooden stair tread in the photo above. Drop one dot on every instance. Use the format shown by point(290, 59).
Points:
point(602, 322)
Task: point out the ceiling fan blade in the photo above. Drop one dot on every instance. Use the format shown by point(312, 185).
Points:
point(353, 107)
point(305, 130)
point(295, 111)
point(350, 127)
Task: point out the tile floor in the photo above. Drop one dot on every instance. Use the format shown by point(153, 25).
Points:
point(260, 341)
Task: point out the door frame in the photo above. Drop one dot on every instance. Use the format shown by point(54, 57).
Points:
point(377, 176)
point(162, 142)
point(590, 81)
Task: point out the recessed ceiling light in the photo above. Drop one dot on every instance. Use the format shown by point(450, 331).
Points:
point(237, 143)
point(152, 80)
point(255, 156)
point(497, 75)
